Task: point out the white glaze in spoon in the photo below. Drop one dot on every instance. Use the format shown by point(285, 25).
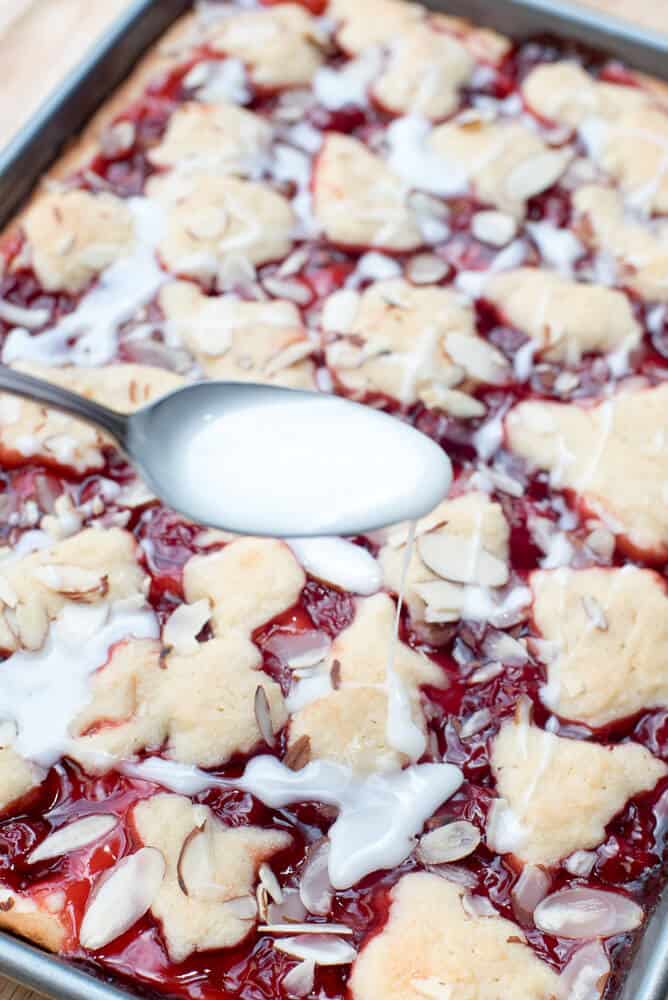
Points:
point(264, 460)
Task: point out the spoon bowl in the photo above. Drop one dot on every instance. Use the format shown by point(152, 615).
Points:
point(265, 460)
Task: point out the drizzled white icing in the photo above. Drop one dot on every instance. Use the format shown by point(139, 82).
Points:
point(378, 816)
point(560, 248)
point(43, 691)
point(412, 159)
point(335, 88)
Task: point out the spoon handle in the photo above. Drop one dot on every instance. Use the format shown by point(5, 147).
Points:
point(40, 391)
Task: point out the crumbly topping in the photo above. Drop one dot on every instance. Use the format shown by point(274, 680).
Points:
point(221, 138)
point(407, 342)
point(425, 72)
point(584, 447)
point(241, 341)
point(350, 723)
point(73, 235)
point(594, 783)
point(433, 946)
point(359, 201)
point(505, 162)
point(211, 869)
point(640, 252)
point(281, 45)
point(211, 216)
point(566, 319)
point(30, 430)
point(199, 704)
point(474, 533)
point(609, 630)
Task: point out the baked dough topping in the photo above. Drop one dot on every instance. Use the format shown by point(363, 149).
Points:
point(407, 342)
point(281, 45)
point(424, 75)
point(584, 446)
point(241, 341)
point(211, 217)
point(433, 947)
point(594, 783)
point(359, 201)
point(608, 632)
point(211, 869)
point(73, 235)
point(506, 162)
point(352, 723)
point(564, 318)
point(220, 138)
point(461, 550)
point(639, 251)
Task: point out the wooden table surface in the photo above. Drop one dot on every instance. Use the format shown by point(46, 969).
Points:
point(40, 40)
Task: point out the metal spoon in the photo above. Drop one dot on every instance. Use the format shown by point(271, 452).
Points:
point(263, 460)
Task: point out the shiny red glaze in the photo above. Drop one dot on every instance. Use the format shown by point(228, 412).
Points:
point(314, 6)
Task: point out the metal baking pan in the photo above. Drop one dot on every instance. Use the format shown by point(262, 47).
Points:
point(38, 145)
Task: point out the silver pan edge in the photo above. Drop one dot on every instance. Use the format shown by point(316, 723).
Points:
point(38, 145)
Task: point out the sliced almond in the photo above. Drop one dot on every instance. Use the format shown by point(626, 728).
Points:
point(426, 269)
point(288, 288)
point(595, 613)
point(530, 889)
point(340, 311)
point(475, 723)
point(299, 754)
point(601, 541)
point(478, 358)
point(262, 710)
point(304, 928)
point(73, 836)
point(451, 842)
point(270, 882)
point(196, 866)
point(495, 228)
point(30, 624)
point(29, 319)
point(319, 949)
point(582, 913)
point(461, 560)
point(536, 174)
point(292, 355)
point(117, 139)
point(439, 595)
point(455, 402)
point(504, 648)
point(299, 981)
point(315, 888)
point(122, 897)
point(73, 581)
point(184, 625)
